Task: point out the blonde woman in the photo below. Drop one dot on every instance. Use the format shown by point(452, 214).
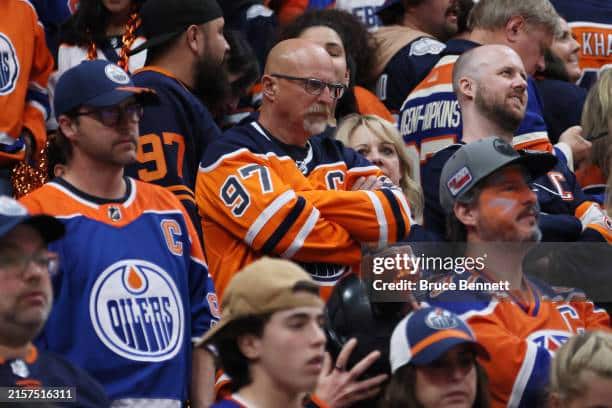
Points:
point(379, 141)
point(597, 127)
point(581, 372)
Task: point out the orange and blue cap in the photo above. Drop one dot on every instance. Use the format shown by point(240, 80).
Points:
point(426, 334)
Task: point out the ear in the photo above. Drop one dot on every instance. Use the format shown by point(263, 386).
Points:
point(192, 37)
point(466, 214)
point(467, 87)
point(250, 346)
point(514, 28)
point(269, 87)
point(68, 127)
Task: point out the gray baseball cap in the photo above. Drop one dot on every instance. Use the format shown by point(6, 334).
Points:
point(477, 160)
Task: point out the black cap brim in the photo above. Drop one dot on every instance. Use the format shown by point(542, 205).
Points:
point(536, 163)
point(154, 42)
point(50, 228)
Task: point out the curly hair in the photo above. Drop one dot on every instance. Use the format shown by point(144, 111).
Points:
point(358, 43)
point(88, 23)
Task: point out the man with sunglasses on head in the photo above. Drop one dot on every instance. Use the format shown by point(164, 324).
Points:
point(277, 187)
point(25, 302)
point(133, 290)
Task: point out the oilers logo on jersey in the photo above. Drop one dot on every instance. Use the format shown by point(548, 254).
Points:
point(137, 311)
point(9, 65)
point(550, 340)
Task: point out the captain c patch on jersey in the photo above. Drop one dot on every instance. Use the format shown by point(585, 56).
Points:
point(137, 312)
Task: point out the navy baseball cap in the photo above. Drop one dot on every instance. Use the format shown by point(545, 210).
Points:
point(426, 334)
point(12, 214)
point(96, 83)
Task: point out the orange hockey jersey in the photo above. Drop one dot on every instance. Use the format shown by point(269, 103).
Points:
point(521, 337)
point(258, 196)
point(25, 65)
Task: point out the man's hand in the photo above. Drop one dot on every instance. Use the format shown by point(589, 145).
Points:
point(581, 148)
point(340, 388)
point(369, 183)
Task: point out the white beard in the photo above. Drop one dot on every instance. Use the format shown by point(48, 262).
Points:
point(314, 127)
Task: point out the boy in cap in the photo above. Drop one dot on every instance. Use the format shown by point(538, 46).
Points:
point(484, 191)
point(433, 361)
point(26, 267)
point(134, 290)
point(271, 343)
point(185, 54)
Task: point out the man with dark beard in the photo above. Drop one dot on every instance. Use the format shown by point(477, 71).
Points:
point(185, 53)
point(490, 83)
point(486, 194)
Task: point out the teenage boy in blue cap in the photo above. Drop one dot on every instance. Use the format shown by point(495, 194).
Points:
point(134, 290)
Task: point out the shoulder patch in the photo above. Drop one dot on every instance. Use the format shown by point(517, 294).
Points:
point(426, 45)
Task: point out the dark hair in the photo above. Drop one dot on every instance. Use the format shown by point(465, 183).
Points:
point(241, 60)
point(464, 7)
point(229, 356)
point(400, 392)
point(455, 230)
point(555, 68)
point(88, 23)
point(59, 151)
point(358, 43)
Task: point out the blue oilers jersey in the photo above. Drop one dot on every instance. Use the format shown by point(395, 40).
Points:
point(430, 119)
point(173, 137)
point(526, 330)
point(45, 369)
point(132, 292)
point(405, 70)
point(561, 199)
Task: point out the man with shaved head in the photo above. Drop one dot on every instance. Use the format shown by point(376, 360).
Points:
point(490, 82)
point(277, 187)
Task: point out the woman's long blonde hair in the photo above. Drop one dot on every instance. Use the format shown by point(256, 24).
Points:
point(386, 131)
point(596, 121)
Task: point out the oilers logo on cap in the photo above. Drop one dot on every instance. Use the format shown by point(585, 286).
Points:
point(440, 319)
point(116, 74)
point(426, 334)
point(137, 312)
point(9, 65)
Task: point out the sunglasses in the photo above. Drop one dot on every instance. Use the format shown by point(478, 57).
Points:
point(111, 116)
point(16, 263)
point(315, 86)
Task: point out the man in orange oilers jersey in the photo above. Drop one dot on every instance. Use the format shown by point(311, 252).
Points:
point(133, 290)
point(272, 187)
point(490, 207)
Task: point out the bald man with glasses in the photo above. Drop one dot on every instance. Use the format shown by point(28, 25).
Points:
point(279, 186)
